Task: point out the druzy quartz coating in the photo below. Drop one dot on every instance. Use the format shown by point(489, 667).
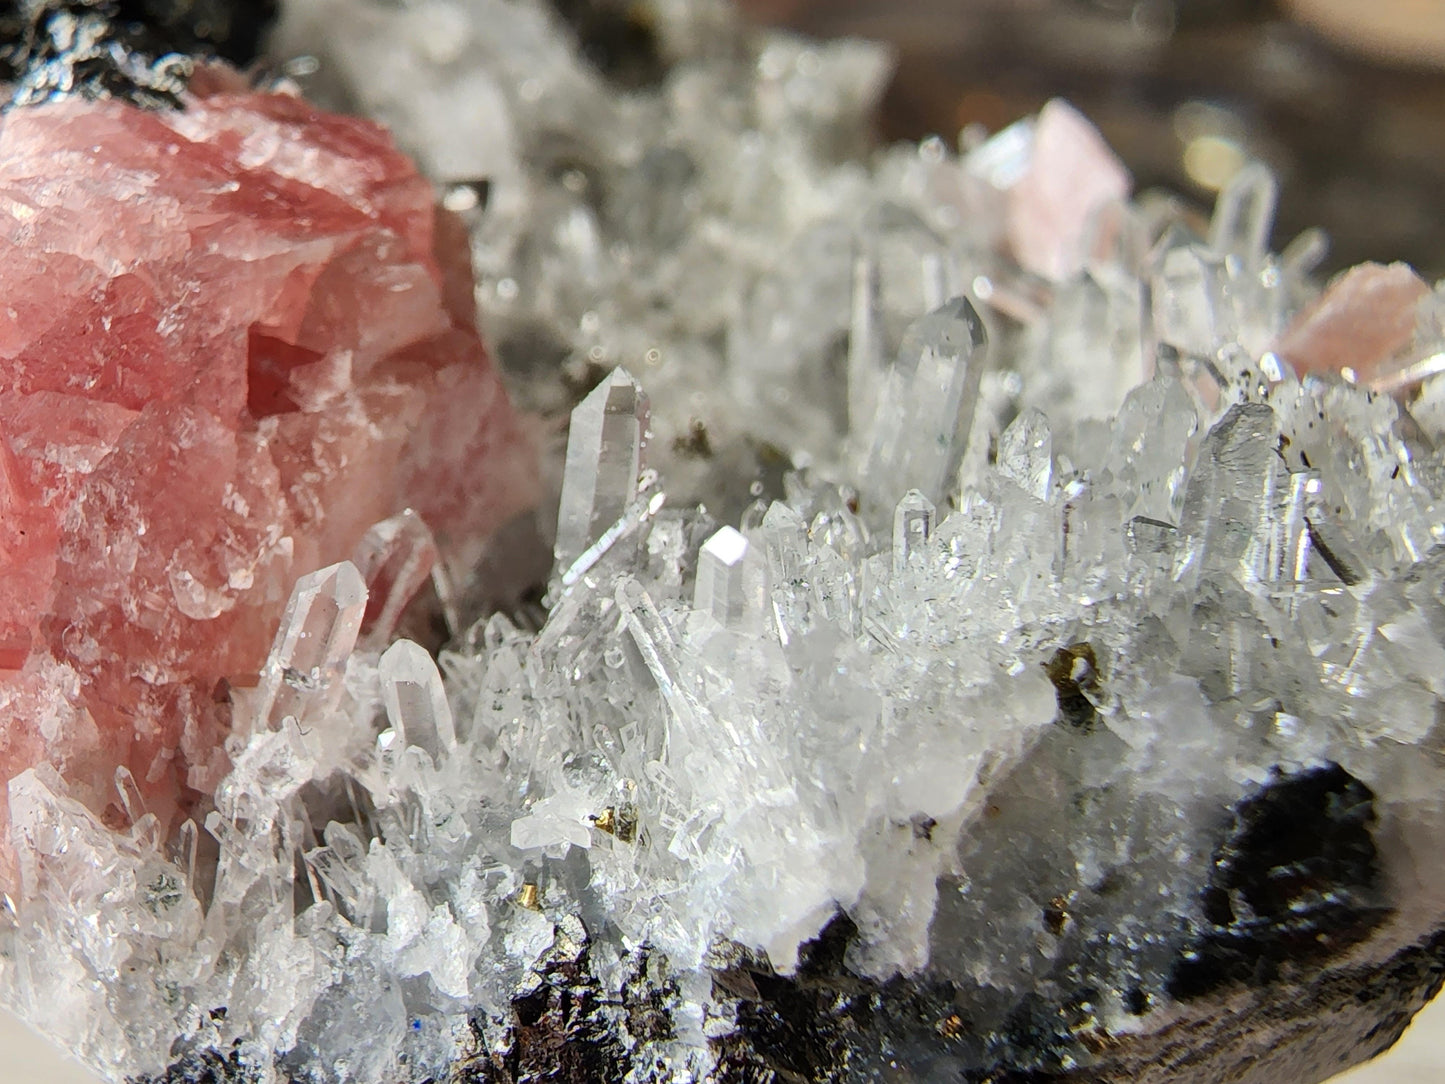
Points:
point(972, 650)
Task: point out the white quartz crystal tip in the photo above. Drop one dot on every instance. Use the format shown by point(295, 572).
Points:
point(913, 522)
point(605, 445)
point(302, 676)
point(720, 590)
point(926, 408)
point(416, 701)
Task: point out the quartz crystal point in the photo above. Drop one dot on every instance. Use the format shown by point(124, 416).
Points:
point(396, 557)
point(1154, 438)
point(302, 676)
point(234, 337)
point(1244, 215)
point(721, 590)
point(416, 701)
point(913, 522)
point(926, 407)
point(605, 445)
point(865, 346)
point(1025, 453)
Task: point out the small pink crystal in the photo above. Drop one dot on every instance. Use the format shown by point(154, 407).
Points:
point(1070, 177)
point(1363, 321)
point(232, 338)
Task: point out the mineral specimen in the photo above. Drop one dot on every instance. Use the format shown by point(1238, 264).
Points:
point(137, 50)
point(949, 670)
point(227, 349)
point(1361, 323)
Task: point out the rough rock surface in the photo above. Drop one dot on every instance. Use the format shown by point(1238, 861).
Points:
point(137, 50)
point(1062, 708)
point(233, 338)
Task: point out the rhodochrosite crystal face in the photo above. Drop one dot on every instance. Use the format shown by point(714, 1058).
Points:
point(228, 346)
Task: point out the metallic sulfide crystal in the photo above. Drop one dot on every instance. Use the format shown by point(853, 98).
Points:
point(913, 522)
point(926, 406)
point(416, 701)
point(720, 588)
point(605, 445)
point(302, 676)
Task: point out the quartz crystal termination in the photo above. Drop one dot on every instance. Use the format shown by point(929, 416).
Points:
point(927, 405)
point(1113, 761)
point(230, 345)
point(605, 445)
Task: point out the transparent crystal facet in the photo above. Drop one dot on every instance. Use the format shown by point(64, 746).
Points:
point(720, 588)
point(605, 445)
point(416, 700)
point(395, 557)
point(1244, 214)
point(913, 521)
point(302, 676)
point(865, 343)
point(1026, 455)
point(926, 407)
point(1152, 439)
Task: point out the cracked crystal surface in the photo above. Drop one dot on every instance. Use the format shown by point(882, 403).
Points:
point(226, 352)
point(1079, 669)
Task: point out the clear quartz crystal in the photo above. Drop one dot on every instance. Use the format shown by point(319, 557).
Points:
point(416, 701)
point(302, 676)
point(395, 557)
point(913, 522)
point(865, 343)
point(1025, 453)
point(926, 406)
point(605, 445)
point(1244, 215)
point(1232, 492)
point(1153, 440)
point(720, 589)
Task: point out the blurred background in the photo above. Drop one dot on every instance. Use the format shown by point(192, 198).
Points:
point(1345, 99)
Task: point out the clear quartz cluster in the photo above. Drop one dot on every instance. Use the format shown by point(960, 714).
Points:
point(915, 566)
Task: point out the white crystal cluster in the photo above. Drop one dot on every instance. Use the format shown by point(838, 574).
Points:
point(905, 570)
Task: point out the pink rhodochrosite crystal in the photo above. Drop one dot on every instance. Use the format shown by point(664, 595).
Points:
point(232, 338)
point(1071, 174)
point(1364, 319)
